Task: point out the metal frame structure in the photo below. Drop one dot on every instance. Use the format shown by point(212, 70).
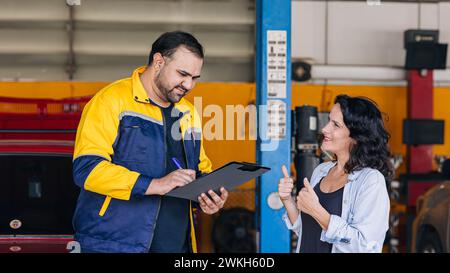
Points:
point(273, 85)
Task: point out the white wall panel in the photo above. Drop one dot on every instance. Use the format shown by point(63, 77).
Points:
point(32, 73)
point(429, 16)
point(33, 10)
point(164, 11)
point(360, 34)
point(444, 27)
point(308, 30)
point(13, 41)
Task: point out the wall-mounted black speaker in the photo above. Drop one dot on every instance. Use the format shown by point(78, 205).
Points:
point(423, 131)
point(420, 35)
point(426, 55)
point(301, 71)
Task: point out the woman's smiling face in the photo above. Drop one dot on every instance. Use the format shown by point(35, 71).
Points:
point(336, 134)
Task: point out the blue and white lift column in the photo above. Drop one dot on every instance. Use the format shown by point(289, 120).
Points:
point(273, 87)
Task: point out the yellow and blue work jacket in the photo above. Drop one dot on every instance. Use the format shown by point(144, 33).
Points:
point(120, 147)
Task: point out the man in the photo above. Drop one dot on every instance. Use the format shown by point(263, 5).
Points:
point(129, 137)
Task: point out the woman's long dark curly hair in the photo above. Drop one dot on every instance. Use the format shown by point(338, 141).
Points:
point(365, 123)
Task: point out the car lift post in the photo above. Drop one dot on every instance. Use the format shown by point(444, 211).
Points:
point(420, 106)
point(273, 97)
point(419, 157)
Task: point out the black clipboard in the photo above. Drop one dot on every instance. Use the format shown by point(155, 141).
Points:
point(228, 176)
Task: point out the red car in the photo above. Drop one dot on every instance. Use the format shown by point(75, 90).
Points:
point(38, 195)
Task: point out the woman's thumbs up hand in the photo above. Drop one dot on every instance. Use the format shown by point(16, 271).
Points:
point(285, 185)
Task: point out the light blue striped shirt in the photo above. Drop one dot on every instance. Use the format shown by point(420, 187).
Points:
point(364, 219)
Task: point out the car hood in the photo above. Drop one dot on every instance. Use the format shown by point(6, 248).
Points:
point(37, 244)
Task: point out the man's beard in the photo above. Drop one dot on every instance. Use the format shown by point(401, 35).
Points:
point(169, 94)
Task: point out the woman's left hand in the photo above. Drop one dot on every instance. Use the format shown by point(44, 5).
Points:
point(307, 199)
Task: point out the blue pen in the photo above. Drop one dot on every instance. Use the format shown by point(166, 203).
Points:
point(176, 162)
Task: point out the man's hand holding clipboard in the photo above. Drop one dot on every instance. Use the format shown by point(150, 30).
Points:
point(210, 207)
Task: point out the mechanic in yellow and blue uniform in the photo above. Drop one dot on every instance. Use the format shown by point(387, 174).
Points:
point(128, 134)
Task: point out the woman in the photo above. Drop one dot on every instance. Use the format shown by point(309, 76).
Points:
point(345, 208)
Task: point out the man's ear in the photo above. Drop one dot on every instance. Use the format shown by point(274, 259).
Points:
point(158, 60)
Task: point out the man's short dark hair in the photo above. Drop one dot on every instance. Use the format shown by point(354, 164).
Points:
point(168, 43)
